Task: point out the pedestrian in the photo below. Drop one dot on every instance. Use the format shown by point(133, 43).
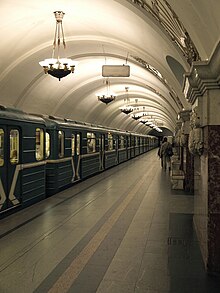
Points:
point(165, 153)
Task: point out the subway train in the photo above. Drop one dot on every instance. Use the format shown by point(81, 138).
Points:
point(41, 155)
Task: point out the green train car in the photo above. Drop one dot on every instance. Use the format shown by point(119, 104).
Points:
point(41, 155)
point(22, 162)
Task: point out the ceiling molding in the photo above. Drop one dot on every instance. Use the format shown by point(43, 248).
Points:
point(167, 19)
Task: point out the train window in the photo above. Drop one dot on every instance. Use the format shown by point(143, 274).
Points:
point(39, 153)
point(115, 145)
point(129, 141)
point(136, 141)
point(78, 144)
point(91, 142)
point(61, 144)
point(73, 144)
point(1, 147)
point(121, 142)
point(47, 151)
point(14, 146)
point(110, 142)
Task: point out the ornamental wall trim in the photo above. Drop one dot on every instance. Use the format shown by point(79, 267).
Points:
point(158, 75)
point(168, 19)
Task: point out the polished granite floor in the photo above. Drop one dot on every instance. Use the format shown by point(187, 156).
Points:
point(122, 231)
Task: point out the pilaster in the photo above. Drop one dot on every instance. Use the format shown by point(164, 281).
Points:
point(187, 158)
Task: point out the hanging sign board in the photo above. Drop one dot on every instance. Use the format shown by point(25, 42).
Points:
point(115, 70)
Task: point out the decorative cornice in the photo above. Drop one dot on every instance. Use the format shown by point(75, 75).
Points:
point(203, 76)
point(168, 19)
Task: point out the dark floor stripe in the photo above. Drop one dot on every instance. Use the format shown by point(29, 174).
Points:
point(65, 263)
point(90, 278)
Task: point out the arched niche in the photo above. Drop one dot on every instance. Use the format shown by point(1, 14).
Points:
point(176, 68)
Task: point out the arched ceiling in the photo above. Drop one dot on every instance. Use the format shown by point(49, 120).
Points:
point(104, 32)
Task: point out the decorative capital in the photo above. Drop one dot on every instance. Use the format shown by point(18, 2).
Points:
point(185, 115)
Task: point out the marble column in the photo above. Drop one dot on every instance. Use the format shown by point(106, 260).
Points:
point(202, 89)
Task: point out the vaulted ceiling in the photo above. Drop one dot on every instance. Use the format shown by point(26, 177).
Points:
point(158, 39)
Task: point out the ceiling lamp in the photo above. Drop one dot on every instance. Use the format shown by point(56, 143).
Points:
point(127, 109)
point(136, 116)
point(58, 67)
point(136, 107)
point(142, 120)
point(107, 97)
point(154, 126)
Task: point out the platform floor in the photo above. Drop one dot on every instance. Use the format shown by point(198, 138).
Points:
point(122, 231)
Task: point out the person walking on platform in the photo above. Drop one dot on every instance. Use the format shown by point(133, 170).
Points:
point(165, 153)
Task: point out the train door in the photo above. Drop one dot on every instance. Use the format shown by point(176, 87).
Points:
point(10, 185)
point(132, 146)
point(76, 152)
point(128, 144)
point(117, 149)
point(102, 151)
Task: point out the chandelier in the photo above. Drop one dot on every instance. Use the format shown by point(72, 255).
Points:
point(142, 120)
point(136, 116)
point(58, 67)
point(153, 124)
point(107, 97)
point(127, 109)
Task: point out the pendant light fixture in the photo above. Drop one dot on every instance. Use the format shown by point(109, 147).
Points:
point(126, 109)
point(56, 66)
point(108, 96)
